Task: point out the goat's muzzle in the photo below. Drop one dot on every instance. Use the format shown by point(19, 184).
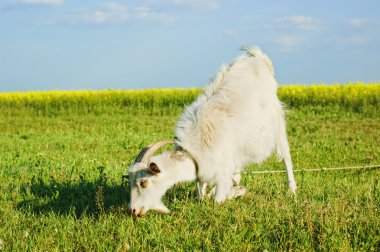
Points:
point(137, 212)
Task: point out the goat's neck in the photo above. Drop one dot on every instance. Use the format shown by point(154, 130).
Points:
point(185, 171)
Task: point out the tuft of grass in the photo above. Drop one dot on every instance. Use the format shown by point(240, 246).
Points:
point(61, 187)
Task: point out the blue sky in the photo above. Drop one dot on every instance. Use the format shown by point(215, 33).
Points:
point(72, 44)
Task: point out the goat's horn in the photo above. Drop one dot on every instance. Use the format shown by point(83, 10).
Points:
point(147, 152)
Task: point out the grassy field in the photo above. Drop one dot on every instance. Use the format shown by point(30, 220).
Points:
point(63, 153)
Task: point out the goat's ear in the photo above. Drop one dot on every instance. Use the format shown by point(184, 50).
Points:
point(153, 168)
point(161, 208)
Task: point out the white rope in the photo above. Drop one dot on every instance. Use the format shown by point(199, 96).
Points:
point(315, 169)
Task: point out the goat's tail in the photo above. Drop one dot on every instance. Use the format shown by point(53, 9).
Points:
point(257, 53)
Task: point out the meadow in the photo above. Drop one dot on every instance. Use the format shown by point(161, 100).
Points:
point(62, 154)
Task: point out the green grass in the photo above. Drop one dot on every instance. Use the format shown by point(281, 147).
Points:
point(61, 186)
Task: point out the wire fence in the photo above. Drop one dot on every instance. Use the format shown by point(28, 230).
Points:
point(315, 169)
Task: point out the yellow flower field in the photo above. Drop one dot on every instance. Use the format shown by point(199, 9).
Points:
point(352, 95)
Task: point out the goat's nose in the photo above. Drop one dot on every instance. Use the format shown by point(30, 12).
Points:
point(137, 212)
point(133, 211)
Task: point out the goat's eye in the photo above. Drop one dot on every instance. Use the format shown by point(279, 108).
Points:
point(144, 183)
point(153, 168)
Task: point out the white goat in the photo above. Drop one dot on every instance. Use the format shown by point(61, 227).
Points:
point(238, 120)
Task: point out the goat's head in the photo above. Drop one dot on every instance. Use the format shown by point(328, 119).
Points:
point(150, 176)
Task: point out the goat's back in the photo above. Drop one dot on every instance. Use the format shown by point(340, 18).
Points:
point(237, 114)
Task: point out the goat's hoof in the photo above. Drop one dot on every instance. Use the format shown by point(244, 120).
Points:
point(292, 187)
point(219, 202)
point(238, 191)
point(210, 193)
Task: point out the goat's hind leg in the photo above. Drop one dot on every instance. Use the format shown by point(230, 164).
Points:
point(283, 153)
point(289, 172)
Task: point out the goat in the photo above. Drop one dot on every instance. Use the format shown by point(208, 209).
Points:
point(236, 121)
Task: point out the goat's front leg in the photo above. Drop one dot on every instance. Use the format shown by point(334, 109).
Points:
point(237, 189)
point(236, 179)
point(228, 188)
point(202, 190)
point(223, 189)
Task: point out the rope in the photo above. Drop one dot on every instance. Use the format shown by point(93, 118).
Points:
point(315, 169)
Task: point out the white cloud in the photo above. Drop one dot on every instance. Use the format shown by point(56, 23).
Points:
point(232, 33)
point(108, 13)
point(115, 13)
point(289, 41)
point(199, 4)
point(354, 40)
point(147, 14)
point(113, 6)
point(38, 2)
point(305, 23)
point(357, 22)
point(359, 40)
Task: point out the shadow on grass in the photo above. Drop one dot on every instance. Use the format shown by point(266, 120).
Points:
point(80, 197)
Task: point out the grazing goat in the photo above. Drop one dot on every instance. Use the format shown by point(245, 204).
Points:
point(238, 120)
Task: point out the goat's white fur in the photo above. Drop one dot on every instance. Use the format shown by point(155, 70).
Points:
point(238, 120)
